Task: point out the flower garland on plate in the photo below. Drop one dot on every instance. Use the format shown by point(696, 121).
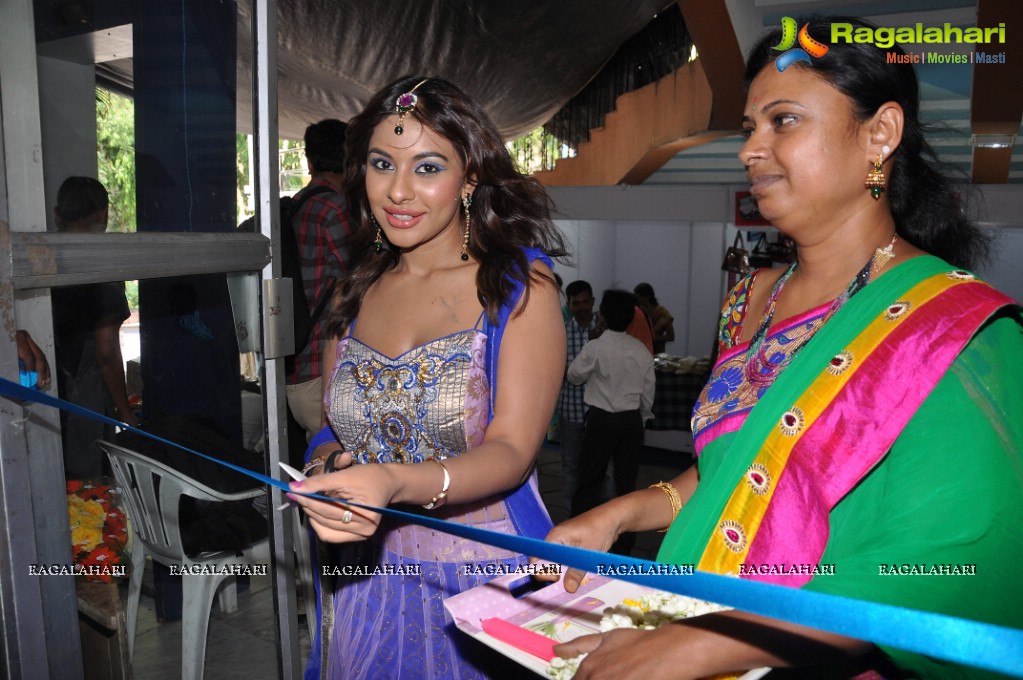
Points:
point(645, 612)
point(99, 529)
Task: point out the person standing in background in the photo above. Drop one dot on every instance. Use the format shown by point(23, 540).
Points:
point(32, 360)
point(578, 329)
point(566, 313)
point(553, 430)
point(641, 328)
point(87, 323)
point(661, 320)
point(618, 374)
point(323, 231)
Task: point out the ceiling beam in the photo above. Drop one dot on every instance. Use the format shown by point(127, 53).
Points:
point(710, 27)
point(700, 102)
point(645, 122)
point(996, 101)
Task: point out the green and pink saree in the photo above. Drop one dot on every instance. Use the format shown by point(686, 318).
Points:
point(884, 463)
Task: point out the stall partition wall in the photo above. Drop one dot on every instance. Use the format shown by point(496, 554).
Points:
point(672, 237)
point(185, 151)
point(675, 237)
point(681, 260)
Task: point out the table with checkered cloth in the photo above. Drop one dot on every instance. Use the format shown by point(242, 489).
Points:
point(674, 398)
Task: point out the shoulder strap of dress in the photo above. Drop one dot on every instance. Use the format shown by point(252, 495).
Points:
point(495, 332)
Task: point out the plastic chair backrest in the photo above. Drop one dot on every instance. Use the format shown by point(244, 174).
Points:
point(152, 491)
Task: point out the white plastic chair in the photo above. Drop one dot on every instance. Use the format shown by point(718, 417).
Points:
point(152, 492)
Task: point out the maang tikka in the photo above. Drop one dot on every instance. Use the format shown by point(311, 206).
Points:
point(404, 104)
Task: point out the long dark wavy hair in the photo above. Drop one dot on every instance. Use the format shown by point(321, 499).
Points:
point(509, 210)
point(924, 201)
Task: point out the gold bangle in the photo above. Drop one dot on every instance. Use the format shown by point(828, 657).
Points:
point(324, 461)
point(673, 497)
point(313, 464)
point(442, 497)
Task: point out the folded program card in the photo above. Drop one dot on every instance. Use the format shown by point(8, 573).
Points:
point(518, 637)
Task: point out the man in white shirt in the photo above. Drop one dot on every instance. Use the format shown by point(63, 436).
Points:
point(579, 328)
point(618, 373)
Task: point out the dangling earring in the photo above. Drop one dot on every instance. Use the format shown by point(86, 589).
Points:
point(378, 244)
point(466, 202)
point(875, 178)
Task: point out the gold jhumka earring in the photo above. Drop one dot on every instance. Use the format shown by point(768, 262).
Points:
point(875, 178)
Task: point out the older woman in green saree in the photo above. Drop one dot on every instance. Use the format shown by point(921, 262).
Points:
point(865, 415)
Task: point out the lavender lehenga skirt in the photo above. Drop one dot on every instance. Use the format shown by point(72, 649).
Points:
point(431, 402)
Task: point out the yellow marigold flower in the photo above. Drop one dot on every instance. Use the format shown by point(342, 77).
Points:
point(94, 509)
point(87, 537)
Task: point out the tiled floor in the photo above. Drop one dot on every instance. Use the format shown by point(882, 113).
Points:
point(243, 644)
point(240, 646)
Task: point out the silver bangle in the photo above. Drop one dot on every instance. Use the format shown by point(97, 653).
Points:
point(442, 497)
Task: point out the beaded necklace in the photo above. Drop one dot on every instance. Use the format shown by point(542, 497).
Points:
point(758, 368)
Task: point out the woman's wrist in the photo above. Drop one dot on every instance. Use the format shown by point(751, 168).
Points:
point(673, 498)
point(641, 510)
point(320, 456)
point(441, 497)
point(419, 483)
point(316, 446)
point(612, 515)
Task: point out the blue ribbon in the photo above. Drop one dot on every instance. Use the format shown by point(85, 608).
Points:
point(973, 643)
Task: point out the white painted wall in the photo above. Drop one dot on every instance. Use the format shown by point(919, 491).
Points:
point(706, 287)
point(681, 260)
point(657, 253)
point(675, 237)
point(592, 247)
point(67, 110)
point(1005, 271)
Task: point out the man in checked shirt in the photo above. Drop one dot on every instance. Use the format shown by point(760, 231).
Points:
point(579, 328)
point(323, 231)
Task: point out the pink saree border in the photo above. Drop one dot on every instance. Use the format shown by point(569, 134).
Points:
point(795, 527)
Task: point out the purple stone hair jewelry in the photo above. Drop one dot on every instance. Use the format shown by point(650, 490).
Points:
point(406, 103)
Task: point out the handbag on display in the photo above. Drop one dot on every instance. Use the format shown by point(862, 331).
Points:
point(736, 257)
point(783, 250)
point(759, 257)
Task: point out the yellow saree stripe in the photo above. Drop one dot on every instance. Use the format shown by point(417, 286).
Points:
point(743, 513)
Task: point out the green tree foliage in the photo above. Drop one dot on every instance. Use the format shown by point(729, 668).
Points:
point(537, 150)
point(131, 291)
point(115, 149)
point(245, 199)
point(292, 166)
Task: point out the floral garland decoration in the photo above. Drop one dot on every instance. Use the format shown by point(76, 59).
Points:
point(99, 529)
